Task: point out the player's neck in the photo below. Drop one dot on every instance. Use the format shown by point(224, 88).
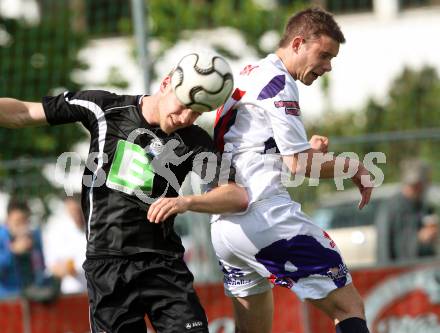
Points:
point(150, 109)
point(282, 54)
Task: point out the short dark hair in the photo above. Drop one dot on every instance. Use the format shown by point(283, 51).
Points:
point(311, 23)
point(15, 204)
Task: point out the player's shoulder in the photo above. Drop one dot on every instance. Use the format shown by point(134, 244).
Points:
point(89, 95)
point(102, 98)
point(264, 68)
point(194, 135)
point(266, 78)
point(194, 131)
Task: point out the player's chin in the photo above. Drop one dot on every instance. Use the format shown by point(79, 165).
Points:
point(172, 129)
point(309, 80)
point(167, 129)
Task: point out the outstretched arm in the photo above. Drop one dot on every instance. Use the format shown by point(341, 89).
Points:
point(228, 198)
point(16, 114)
point(330, 167)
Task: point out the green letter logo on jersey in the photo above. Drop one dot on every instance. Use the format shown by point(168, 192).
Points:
point(131, 169)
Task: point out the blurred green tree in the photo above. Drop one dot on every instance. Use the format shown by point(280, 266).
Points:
point(413, 102)
point(37, 60)
point(413, 106)
point(402, 127)
point(170, 18)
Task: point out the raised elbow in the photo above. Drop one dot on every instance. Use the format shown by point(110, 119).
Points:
point(242, 201)
point(243, 206)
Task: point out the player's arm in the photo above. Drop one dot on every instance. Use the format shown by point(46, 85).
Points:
point(330, 167)
point(16, 114)
point(227, 198)
point(319, 142)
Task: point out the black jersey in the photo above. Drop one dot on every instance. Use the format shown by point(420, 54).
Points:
point(130, 162)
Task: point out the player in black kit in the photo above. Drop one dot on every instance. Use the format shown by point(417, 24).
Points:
point(141, 149)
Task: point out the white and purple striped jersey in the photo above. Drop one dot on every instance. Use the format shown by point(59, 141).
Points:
point(274, 242)
point(259, 123)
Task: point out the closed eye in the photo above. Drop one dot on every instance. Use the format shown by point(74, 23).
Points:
point(326, 56)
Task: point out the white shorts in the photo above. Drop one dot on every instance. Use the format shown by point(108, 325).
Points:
point(274, 243)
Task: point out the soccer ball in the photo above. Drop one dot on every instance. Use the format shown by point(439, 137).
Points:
point(202, 81)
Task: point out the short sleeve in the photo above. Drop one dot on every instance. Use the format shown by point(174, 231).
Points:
point(69, 107)
point(284, 113)
point(279, 100)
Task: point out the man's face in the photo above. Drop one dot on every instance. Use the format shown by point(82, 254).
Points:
point(314, 58)
point(18, 223)
point(173, 115)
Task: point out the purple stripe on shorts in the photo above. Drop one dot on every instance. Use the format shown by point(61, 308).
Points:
point(304, 256)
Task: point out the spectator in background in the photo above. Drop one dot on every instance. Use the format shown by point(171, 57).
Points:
point(410, 223)
point(21, 254)
point(65, 247)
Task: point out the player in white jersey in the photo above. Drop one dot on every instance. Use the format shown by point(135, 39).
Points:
point(261, 131)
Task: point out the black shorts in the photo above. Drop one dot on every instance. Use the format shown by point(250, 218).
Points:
point(122, 291)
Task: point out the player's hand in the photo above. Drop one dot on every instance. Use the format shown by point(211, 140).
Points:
point(163, 208)
point(363, 181)
point(319, 142)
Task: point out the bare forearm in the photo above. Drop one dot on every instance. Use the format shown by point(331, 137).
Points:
point(17, 114)
point(336, 167)
point(229, 198)
point(315, 164)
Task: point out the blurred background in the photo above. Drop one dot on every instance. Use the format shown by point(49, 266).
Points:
point(383, 95)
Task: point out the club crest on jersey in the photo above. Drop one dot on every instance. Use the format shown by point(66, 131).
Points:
point(156, 146)
point(290, 107)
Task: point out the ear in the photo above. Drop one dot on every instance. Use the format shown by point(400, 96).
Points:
point(166, 83)
point(296, 43)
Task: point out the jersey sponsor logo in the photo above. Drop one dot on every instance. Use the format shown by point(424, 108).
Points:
point(131, 169)
point(160, 157)
point(248, 69)
point(290, 107)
